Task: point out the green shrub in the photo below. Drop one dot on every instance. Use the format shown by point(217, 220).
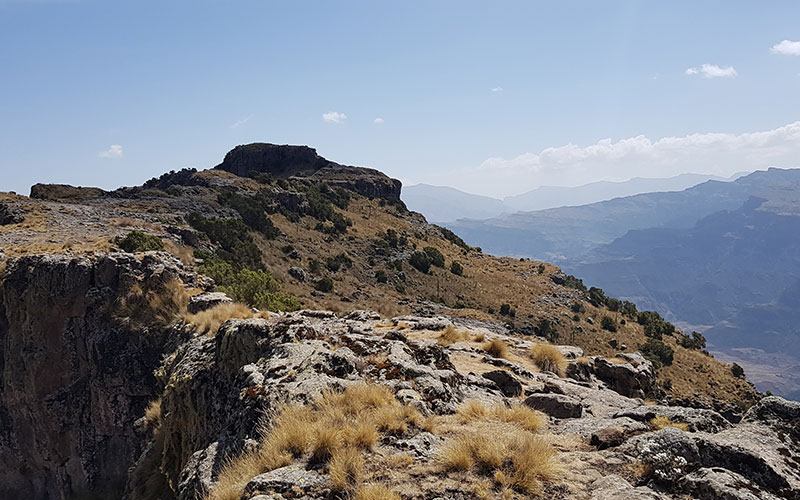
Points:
point(737, 371)
point(335, 263)
point(545, 329)
point(571, 281)
point(505, 309)
point(629, 309)
point(420, 261)
point(608, 323)
point(324, 285)
point(452, 237)
point(380, 276)
point(233, 237)
point(314, 266)
point(259, 289)
point(654, 325)
point(657, 352)
point(252, 212)
point(435, 256)
point(456, 268)
point(578, 307)
point(696, 341)
point(138, 241)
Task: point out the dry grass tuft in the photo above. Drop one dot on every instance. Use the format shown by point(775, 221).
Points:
point(210, 320)
point(479, 337)
point(345, 468)
point(496, 348)
point(517, 459)
point(375, 492)
point(162, 304)
point(451, 335)
point(583, 360)
point(472, 410)
point(661, 422)
point(152, 414)
point(335, 429)
point(184, 253)
point(522, 416)
point(549, 359)
point(532, 462)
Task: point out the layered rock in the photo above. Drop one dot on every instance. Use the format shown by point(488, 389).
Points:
point(303, 162)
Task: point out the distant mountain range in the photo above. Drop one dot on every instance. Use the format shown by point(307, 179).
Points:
point(721, 257)
point(445, 204)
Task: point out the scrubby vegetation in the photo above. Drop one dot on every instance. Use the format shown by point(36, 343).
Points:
point(324, 285)
point(456, 268)
point(658, 352)
point(654, 325)
point(496, 348)
point(420, 261)
point(252, 211)
point(696, 341)
point(607, 323)
point(434, 256)
point(139, 241)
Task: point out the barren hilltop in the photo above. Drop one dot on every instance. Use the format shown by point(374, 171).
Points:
point(281, 326)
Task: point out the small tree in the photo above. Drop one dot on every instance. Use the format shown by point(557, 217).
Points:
point(608, 323)
point(420, 261)
point(737, 371)
point(456, 268)
point(324, 285)
point(435, 256)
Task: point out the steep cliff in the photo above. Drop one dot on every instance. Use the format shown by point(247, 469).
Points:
point(74, 377)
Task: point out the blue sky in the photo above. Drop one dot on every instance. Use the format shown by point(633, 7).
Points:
point(490, 97)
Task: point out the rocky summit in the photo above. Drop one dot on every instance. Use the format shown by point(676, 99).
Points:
point(282, 327)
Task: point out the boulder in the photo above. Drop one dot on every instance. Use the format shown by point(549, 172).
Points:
point(207, 300)
point(297, 273)
point(614, 487)
point(507, 383)
point(10, 215)
point(290, 481)
point(697, 419)
point(634, 379)
point(555, 405)
point(716, 483)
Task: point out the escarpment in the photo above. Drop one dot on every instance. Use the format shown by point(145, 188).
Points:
point(74, 378)
point(282, 327)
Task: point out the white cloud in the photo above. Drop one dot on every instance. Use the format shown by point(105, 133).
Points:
point(713, 71)
point(378, 121)
point(242, 121)
point(334, 117)
point(787, 48)
point(571, 165)
point(497, 89)
point(113, 151)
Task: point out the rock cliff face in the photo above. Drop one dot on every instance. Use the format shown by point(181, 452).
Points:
point(73, 379)
point(304, 163)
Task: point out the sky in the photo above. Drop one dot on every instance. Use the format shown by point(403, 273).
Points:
point(493, 98)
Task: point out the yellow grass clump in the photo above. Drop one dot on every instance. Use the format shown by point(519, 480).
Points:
point(451, 335)
point(515, 459)
point(375, 492)
point(522, 416)
point(496, 348)
point(184, 253)
point(549, 359)
point(661, 422)
point(332, 432)
point(152, 414)
point(161, 304)
point(210, 320)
